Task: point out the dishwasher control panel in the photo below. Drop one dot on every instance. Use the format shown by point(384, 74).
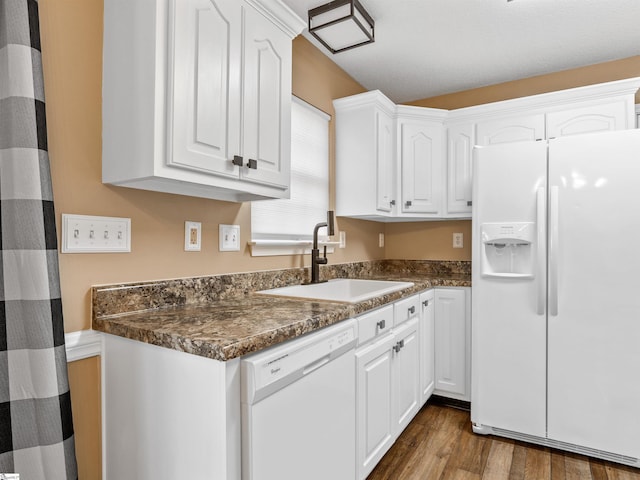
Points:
point(267, 371)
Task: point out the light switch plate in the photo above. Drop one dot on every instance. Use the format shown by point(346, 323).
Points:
point(192, 236)
point(91, 234)
point(229, 238)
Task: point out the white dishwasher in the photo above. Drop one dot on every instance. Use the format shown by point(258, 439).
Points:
point(298, 408)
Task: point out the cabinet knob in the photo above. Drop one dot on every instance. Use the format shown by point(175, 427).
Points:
point(253, 164)
point(392, 202)
point(407, 203)
point(412, 310)
point(425, 303)
point(381, 324)
point(469, 203)
point(237, 160)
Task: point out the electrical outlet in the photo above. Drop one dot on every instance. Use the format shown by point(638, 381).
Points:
point(458, 240)
point(381, 240)
point(192, 236)
point(90, 234)
point(229, 238)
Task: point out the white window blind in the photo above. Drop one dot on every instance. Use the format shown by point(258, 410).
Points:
point(294, 218)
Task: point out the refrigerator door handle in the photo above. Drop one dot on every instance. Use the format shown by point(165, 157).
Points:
point(553, 251)
point(541, 242)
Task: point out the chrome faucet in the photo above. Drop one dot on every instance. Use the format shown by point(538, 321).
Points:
point(316, 259)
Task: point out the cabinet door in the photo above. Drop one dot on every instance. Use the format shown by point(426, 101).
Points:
point(385, 198)
point(374, 405)
point(510, 129)
point(459, 179)
point(421, 163)
point(451, 348)
point(204, 97)
point(406, 376)
point(426, 330)
point(594, 118)
point(266, 102)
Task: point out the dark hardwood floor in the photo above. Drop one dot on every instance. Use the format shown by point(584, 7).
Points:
point(439, 445)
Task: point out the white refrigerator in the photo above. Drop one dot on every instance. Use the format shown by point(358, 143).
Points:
point(556, 293)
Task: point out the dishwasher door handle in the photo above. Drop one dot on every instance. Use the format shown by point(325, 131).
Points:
point(316, 364)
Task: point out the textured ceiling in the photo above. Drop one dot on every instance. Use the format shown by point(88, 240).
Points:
point(425, 48)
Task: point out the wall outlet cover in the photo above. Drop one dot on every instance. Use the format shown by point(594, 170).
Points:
point(458, 240)
point(229, 238)
point(192, 236)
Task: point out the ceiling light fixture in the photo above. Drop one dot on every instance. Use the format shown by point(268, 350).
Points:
point(341, 25)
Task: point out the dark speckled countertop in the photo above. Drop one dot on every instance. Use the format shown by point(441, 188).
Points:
point(222, 317)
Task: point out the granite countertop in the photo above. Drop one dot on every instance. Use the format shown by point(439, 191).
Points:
point(223, 317)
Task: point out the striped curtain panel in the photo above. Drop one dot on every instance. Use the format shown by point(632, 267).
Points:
point(36, 430)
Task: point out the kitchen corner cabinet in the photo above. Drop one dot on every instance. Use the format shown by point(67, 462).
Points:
point(197, 97)
point(365, 170)
point(453, 342)
point(389, 159)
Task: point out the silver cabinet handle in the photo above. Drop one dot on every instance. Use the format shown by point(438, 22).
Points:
point(412, 310)
point(253, 164)
point(425, 303)
point(381, 324)
point(392, 202)
point(407, 203)
point(398, 346)
point(237, 160)
point(469, 203)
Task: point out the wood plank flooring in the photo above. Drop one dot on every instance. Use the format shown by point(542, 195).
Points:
point(439, 445)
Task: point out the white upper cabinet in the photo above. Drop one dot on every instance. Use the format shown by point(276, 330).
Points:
point(205, 97)
point(389, 159)
point(266, 102)
point(423, 171)
point(196, 97)
point(611, 115)
point(460, 142)
point(385, 174)
point(420, 153)
point(365, 170)
point(518, 128)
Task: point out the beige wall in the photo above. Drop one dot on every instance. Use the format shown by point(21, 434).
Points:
point(72, 56)
point(577, 77)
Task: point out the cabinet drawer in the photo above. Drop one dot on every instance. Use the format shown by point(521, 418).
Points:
point(406, 309)
point(373, 324)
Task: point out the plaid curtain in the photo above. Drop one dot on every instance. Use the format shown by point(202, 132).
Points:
point(36, 430)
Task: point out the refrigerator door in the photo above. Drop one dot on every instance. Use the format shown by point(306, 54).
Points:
point(594, 300)
point(509, 287)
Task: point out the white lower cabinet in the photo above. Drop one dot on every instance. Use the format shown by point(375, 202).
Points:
point(427, 354)
point(374, 414)
point(453, 342)
point(388, 390)
point(406, 391)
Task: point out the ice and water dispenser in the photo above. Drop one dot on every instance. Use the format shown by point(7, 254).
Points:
point(507, 249)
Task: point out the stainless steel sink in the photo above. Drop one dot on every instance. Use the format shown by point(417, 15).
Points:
point(347, 290)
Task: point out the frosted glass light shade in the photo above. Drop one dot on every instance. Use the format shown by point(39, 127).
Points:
point(341, 25)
